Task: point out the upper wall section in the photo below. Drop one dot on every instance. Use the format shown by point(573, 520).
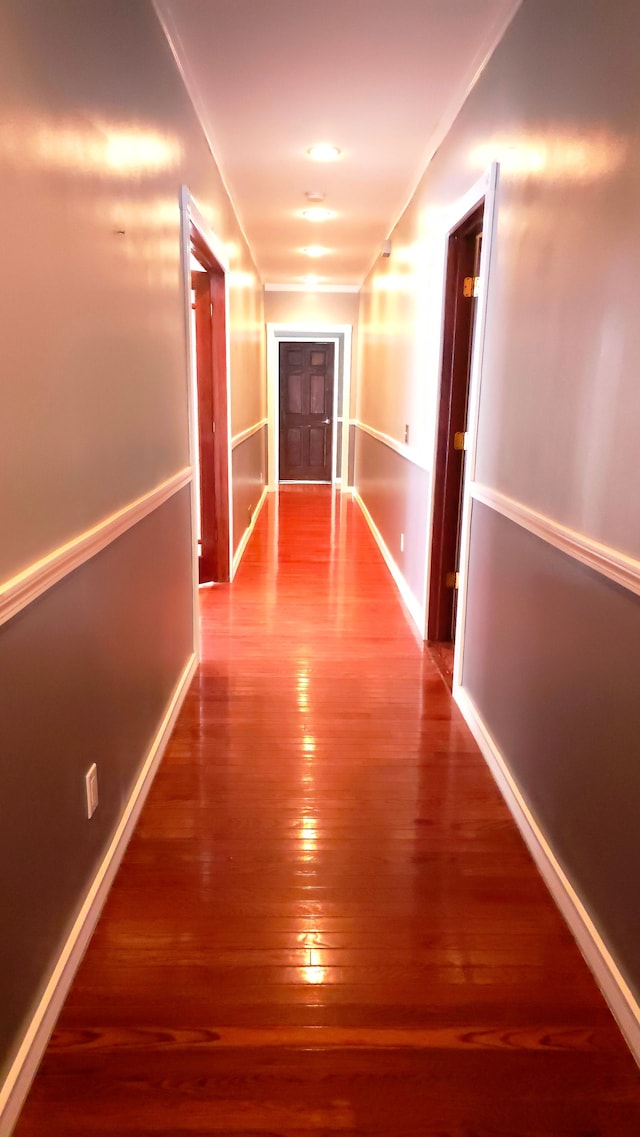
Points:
point(306, 308)
point(311, 307)
point(557, 106)
point(97, 134)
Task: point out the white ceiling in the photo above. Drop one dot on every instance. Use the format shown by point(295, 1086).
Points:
point(382, 79)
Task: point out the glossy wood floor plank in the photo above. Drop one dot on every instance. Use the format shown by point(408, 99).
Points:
point(326, 921)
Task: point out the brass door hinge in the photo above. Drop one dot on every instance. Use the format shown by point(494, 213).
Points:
point(452, 580)
point(471, 286)
point(460, 440)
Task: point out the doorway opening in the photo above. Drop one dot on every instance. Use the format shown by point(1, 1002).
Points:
point(461, 291)
point(338, 337)
point(210, 410)
point(306, 411)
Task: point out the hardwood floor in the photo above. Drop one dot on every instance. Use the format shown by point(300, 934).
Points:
point(326, 921)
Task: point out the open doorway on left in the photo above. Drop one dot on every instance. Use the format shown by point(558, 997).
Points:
point(209, 410)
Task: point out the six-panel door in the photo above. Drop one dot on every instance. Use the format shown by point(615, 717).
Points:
point(306, 411)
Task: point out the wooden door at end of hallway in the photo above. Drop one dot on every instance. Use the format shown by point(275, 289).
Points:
point(306, 412)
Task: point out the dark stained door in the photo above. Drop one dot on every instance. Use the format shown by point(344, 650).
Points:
point(306, 412)
point(462, 272)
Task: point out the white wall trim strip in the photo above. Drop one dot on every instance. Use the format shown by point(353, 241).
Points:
point(244, 541)
point(413, 606)
point(243, 435)
point(312, 289)
point(26, 586)
point(603, 559)
point(401, 448)
point(340, 335)
point(21, 1073)
point(612, 983)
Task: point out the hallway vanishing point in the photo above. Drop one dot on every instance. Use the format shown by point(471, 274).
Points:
point(326, 921)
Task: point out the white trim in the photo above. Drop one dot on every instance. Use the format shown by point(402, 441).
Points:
point(603, 559)
point(487, 256)
point(312, 287)
point(215, 245)
point(413, 606)
point(484, 189)
point(409, 452)
point(192, 400)
point(612, 983)
point(33, 581)
point(340, 335)
point(190, 213)
point(247, 533)
point(16, 1085)
point(344, 413)
point(243, 435)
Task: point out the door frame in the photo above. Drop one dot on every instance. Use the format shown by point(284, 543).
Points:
point(326, 340)
point(457, 336)
point(190, 215)
point(340, 335)
point(485, 189)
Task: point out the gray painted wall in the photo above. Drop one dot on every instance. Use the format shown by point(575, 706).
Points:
point(249, 462)
point(97, 137)
point(388, 483)
point(86, 672)
point(551, 658)
point(551, 651)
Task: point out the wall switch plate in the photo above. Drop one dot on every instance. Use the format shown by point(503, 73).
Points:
point(406, 433)
point(402, 542)
point(91, 785)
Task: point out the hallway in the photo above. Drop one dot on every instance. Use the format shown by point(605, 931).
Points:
point(326, 921)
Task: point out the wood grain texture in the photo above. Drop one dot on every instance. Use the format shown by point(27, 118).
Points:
point(326, 921)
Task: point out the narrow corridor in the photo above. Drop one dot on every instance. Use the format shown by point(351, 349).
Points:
point(326, 921)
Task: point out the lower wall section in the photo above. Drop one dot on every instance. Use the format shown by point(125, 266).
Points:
point(249, 471)
point(86, 672)
point(396, 493)
point(551, 660)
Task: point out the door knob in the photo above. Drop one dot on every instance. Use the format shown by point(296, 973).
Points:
point(326, 421)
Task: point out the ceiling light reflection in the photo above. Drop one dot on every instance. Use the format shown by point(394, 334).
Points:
point(100, 148)
point(316, 214)
point(314, 974)
point(239, 279)
point(309, 834)
point(323, 152)
point(561, 156)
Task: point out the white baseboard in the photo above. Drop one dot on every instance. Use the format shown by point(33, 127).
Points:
point(237, 556)
point(622, 1002)
point(23, 1069)
point(413, 606)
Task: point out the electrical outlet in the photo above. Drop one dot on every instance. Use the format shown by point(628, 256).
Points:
point(402, 542)
point(91, 786)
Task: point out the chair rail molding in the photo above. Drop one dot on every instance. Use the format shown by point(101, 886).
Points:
point(22, 589)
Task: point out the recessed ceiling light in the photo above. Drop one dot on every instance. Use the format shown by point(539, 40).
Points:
point(317, 214)
point(315, 250)
point(323, 152)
